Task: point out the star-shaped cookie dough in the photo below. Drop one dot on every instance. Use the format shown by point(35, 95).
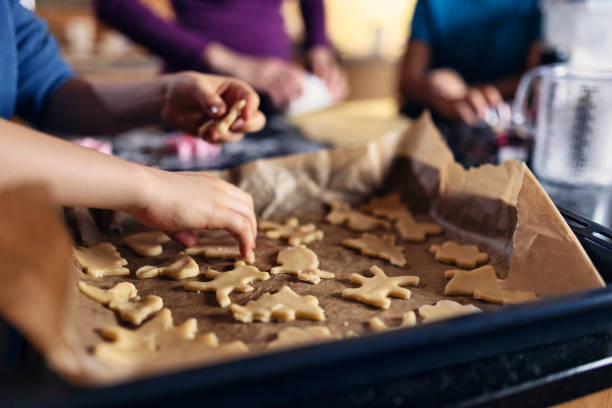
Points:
point(294, 336)
point(414, 231)
point(467, 256)
point(445, 309)
point(146, 243)
point(295, 233)
point(123, 298)
point(355, 220)
point(224, 283)
point(389, 206)
point(376, 290)
point(303, 263)
point(100, 260)
point(284, 305)
point(408, 320)
point(182, 266)
point(384, 248)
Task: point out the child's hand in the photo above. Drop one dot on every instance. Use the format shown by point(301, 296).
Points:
point(191, 99)
point(184, 202)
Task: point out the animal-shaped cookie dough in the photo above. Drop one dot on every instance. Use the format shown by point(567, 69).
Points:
point(467, 256)
point(159, 336)
point(223, 124)
point(217, 244)
point(445, 309)
point(384, 248)
point(408, 320)
point(180, 267)
point(294, 336)
point(355, 220)
point(123, 299)
point(414, 231)
point(301, 262)
point(389, 206)
point(224, 283)
point(146, 243)
point(284, 305)
point(482, 284)
point(295, 233)
point(100, 260)
point(376, 290)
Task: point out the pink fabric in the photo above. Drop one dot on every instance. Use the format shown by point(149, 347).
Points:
point(188, 147)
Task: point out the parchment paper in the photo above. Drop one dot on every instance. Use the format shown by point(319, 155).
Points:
point(501, 208)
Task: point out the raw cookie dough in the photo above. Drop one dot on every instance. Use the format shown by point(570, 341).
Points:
point(467, 256)
point(301, 262)
point(284, 305)
point(503, 296)
point(217, 244)
point(408, 320)
point(294, 336)
point(445, 309)
point(146, 243)
point(414, 231)
point(123, 299)
point(384, 248)
point(224, 123)
point(159, 336)
point(295, 233)
point(224, 283)
point(389, 206)
point(100, 260)
point(181, 267)
point(377, 289)
point(355, 220)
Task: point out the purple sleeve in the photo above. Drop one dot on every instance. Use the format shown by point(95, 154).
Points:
point(313, 12)
point(177, 46)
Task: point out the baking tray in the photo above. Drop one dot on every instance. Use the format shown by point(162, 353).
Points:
point(467, 361)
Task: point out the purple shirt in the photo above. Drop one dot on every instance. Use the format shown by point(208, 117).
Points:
point(252, 27)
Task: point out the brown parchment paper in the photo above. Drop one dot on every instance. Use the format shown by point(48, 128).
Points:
point(501, 208)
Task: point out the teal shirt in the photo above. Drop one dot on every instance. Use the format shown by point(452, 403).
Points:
point(483, 40)
point(31, 68)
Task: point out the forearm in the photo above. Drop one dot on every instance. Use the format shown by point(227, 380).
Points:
point(88, 108)
point(414, 86)
point(313, 13)
point(76, 176)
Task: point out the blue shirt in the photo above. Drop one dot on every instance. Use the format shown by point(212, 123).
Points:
point(31, 68)
point(483, 40)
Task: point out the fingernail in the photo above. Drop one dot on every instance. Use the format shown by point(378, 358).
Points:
point(213, 109)
point(237, 124)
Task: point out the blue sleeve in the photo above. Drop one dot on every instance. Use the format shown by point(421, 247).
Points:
point(421, 23)
point(41, 70)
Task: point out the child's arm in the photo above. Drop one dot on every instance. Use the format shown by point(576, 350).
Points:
point(175, 202)
point(183, 101)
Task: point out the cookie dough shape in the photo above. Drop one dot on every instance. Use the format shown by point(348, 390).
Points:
point(294, 336)
point(224, 283)
point(223, 124)
point(354, 220)
point(482, 284)
point(408, 320)
point(160, 336)
point(100, 260)
point(384, 248)
point(467, 256)
point(219, 245)
point(146, 243)
point(302, 262)
point(295, 233)
point(414, 231)
point(180, 267)
point(445, 309)
point(389, 206)
point(123, 299)
point(284, 305)
point(376, 290)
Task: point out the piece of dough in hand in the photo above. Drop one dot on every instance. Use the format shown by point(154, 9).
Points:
point(376, 290)
point(100, 260)
point(224, 283)
point(341, 213)
point(181, 267)
point(146, 243)
point(223, 124)
point(467, 256)
point(384, 248)
point(284, 305)
point(123, 299)
point(303, 263)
